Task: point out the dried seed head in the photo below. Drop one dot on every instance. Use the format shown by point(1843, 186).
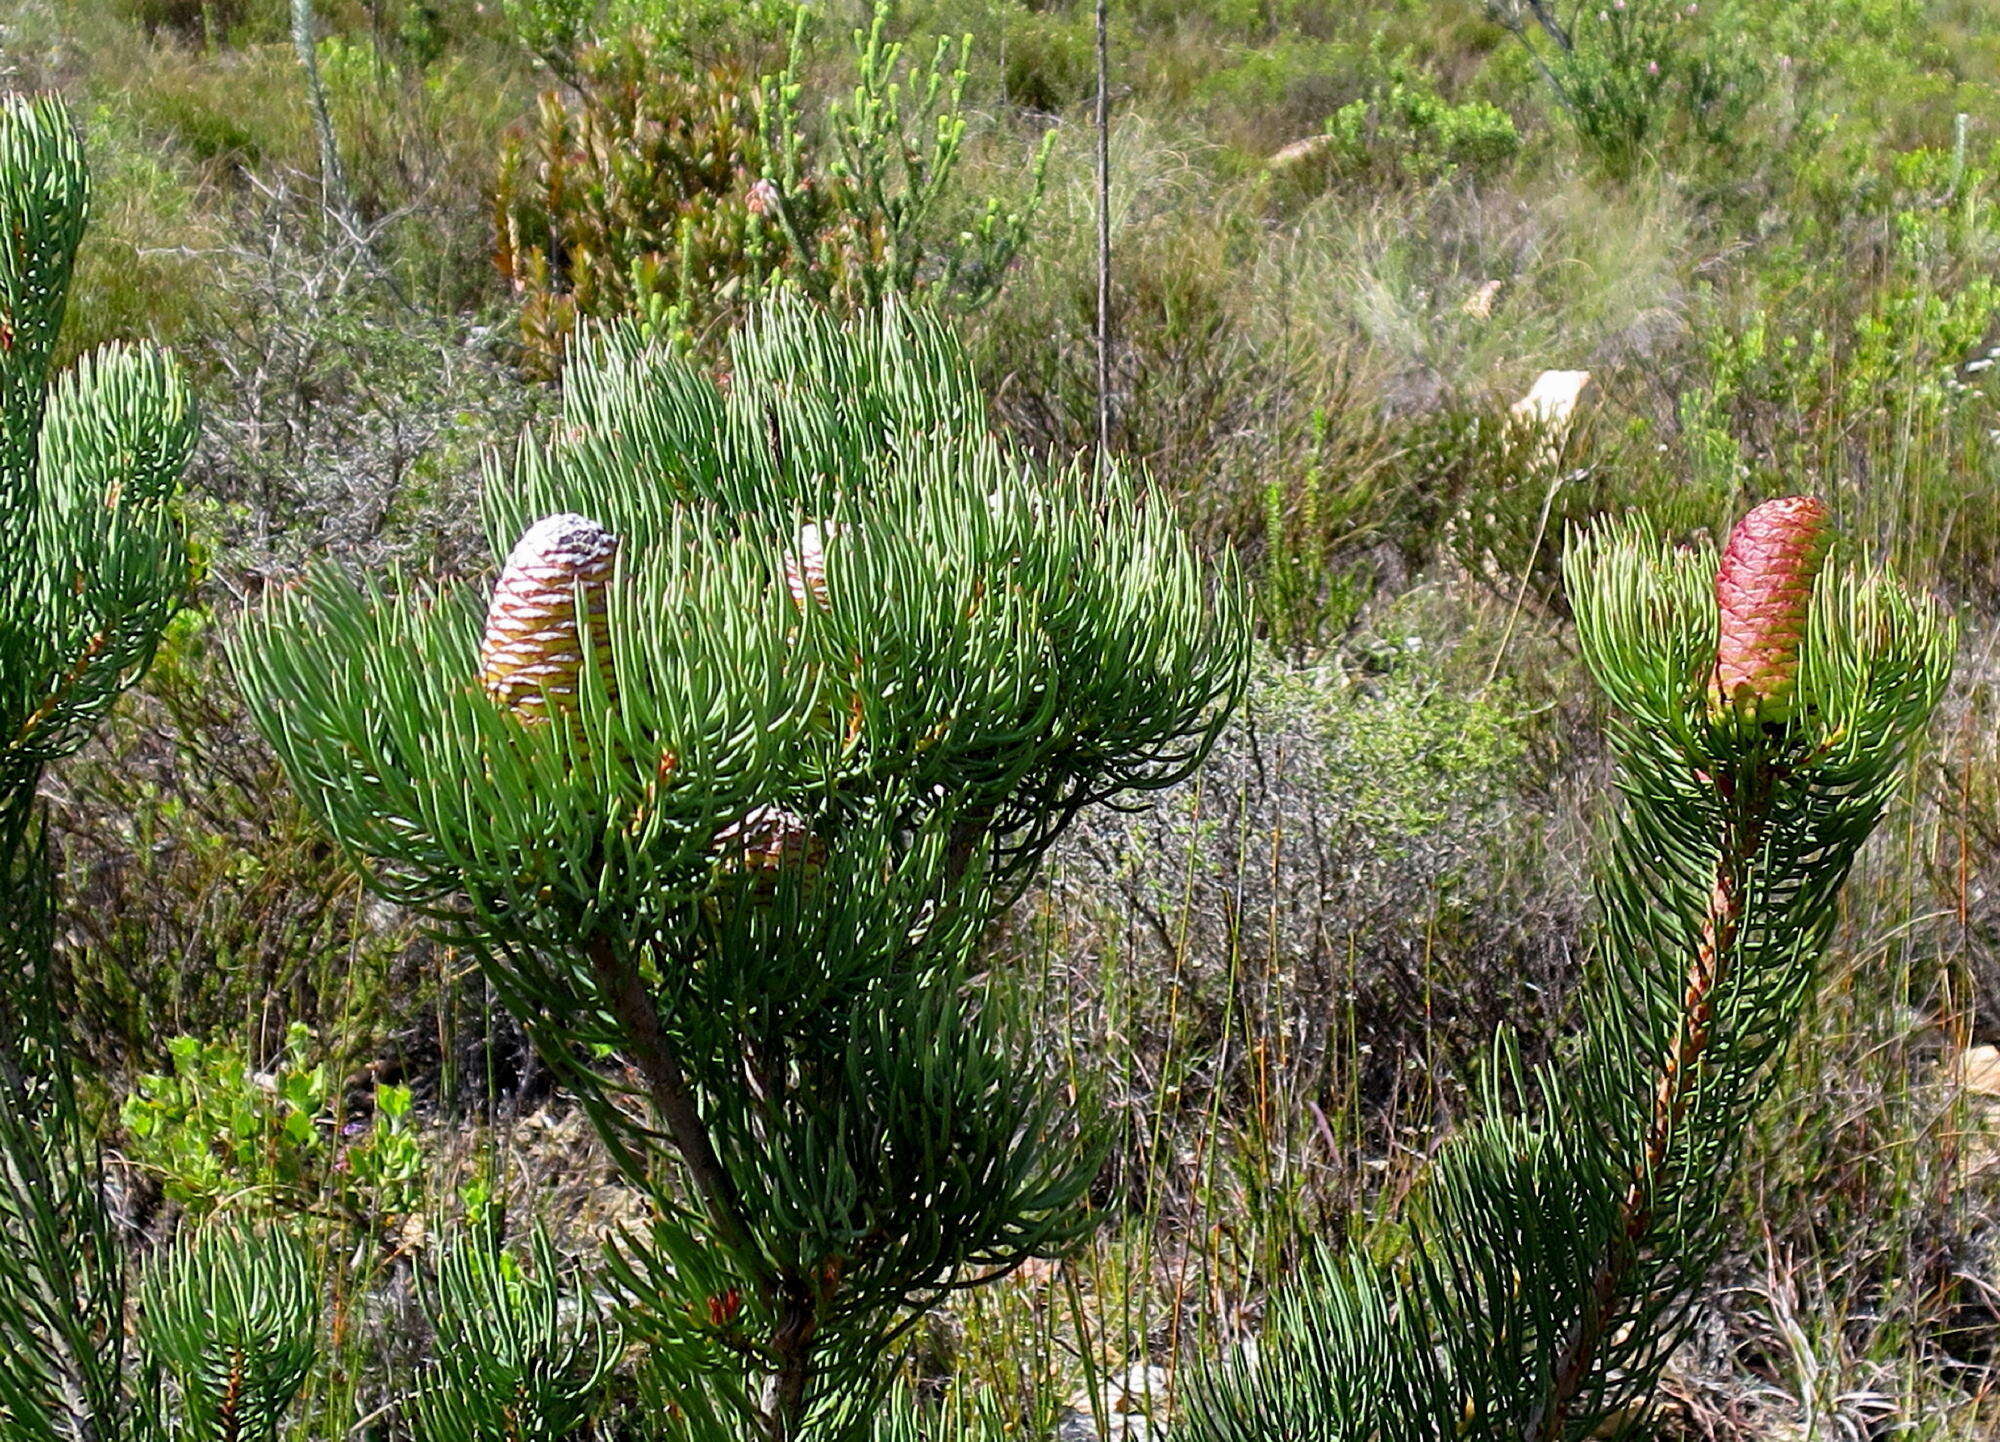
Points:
point(1547, 411)
point(770, 839)
point(532, 657)
point(1479, 304)
point(1763, 590)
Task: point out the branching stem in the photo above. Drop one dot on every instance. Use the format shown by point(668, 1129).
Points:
point(60, 692)
point(792, 1340)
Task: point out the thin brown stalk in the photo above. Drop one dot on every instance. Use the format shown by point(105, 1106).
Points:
point(60, 692)
point(667, 1088)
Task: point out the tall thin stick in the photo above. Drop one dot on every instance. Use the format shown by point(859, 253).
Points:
point(332, 178)
point(1103, 233)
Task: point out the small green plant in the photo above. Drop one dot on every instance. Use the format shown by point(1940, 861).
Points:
point(682, 193)
point(891, 150)
point(219, 1136)
point(1632, 76)
point(521, 1353)
point(1404, 130)
point(232, 1317)
point(552, 31)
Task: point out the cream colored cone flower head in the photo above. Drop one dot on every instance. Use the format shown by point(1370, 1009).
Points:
point(532, 658)
point(1548, 408)
point(1551, 400)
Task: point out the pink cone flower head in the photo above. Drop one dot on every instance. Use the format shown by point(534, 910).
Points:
point(532, 656)
point(1763, 590)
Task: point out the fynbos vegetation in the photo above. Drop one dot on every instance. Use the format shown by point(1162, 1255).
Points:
point(782, 764)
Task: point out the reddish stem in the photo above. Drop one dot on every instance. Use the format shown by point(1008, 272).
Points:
point(1707, 971)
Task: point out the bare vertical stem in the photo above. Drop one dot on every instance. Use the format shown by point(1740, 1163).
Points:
point(1103, 233)
point(332, 176)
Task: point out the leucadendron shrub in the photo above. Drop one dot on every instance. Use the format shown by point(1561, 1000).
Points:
point(683, 193)
point(786, 683)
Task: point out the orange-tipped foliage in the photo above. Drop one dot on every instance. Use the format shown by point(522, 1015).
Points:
point(1763, 589)
point(532, 658)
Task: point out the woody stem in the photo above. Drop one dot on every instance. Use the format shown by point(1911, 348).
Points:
point(1746, 808)
point(792, 1340)
point(666, 1087)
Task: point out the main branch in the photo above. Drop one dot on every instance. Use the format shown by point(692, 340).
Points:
point(793, 1338)
point(666, 1086)
point(1746, 810)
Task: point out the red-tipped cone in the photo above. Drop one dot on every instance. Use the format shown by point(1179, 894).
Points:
point(1763, 590)
point(532, 656)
